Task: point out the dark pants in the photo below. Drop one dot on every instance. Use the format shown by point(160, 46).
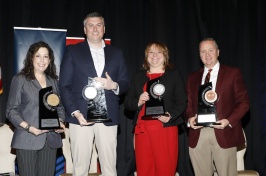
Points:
point(36, 162)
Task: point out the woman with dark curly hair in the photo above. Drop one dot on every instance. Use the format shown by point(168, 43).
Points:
point(35, 148)
point(156, 139)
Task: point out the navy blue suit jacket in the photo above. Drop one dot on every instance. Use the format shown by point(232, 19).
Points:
point(77, 65)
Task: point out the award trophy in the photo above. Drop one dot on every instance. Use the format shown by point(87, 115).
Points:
point(48, 102)
point(155, 105)
point(206, 106)
point(95, 96)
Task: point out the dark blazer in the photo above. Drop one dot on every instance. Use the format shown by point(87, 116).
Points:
point(23, 105)
point(77, 65)
point(232, 105)
point(175, 99)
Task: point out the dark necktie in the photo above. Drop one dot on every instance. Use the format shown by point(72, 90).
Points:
point(207, 78)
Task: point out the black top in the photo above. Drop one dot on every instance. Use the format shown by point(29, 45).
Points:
point(175, 98)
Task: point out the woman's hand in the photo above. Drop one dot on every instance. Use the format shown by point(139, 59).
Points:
point(37, 131)
point(62, 129)
point(164, 118)
point(143, 98)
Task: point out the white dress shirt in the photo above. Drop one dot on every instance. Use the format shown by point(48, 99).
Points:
point(98, 58)
point(214, 75)
point(99, 63)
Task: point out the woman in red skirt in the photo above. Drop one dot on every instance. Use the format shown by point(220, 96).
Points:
point(157, 94)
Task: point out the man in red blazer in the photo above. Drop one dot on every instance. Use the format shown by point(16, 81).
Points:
point(216, 144)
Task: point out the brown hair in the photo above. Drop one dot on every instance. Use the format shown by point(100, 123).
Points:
point(28, 69)
point(163, 48)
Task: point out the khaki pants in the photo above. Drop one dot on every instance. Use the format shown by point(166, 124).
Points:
point(208, 152)
point(81, 142)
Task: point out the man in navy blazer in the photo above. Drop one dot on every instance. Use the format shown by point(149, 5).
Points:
point(106, 64)
point(216, 144)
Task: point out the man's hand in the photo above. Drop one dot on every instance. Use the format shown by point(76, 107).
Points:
point(224, 123)
point(81, 119)
point(192, 122)
point(107, 83)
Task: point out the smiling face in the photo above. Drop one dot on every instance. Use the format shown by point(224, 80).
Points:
point(41, 60)
point(209, 53)
point(94, 29)
point(155, 58)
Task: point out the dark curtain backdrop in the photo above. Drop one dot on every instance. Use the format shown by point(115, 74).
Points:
point(237, 25)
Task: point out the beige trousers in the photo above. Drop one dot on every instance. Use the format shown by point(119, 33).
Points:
point(81, 142)
point(208, 153)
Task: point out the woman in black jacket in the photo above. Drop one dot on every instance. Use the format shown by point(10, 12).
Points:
point(156, 139)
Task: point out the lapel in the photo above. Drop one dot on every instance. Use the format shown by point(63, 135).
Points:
point(143, 78)
point(87, 61)
point(107, 58)
point(196, 83)
point(220, 79)
point(199, 77)
point(219, 88)
point(47, 79)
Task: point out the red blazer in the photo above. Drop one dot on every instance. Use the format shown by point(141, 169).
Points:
point(232, 105)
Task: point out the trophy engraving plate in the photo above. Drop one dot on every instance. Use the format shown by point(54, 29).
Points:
point(95, 96)
point(207, 98)
point(155, 105)
point(48, 102)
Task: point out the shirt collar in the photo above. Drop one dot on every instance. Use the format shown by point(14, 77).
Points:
point(215, 68)
point(103, 45)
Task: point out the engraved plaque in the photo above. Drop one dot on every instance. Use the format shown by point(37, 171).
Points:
point(48, 102)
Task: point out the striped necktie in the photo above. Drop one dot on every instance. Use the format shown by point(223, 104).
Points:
point(207, 78)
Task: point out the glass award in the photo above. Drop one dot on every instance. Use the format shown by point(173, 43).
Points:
point(94, 94)
point(48, 102)
point(207, 98)
point(155, 105)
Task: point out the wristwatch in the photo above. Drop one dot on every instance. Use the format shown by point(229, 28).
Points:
point(27, 128)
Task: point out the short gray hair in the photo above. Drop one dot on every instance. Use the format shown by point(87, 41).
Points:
point(92, 15)
point(209, 39)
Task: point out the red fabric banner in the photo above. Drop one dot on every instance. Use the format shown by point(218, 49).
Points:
point(75, 40)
